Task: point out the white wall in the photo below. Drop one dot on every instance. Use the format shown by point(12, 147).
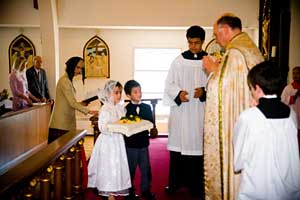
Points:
point(7, 35)
point(88, 16)
point(154, 12)
point(121, 45)
point(72, 41)
point(18, 12)
point(132, 12)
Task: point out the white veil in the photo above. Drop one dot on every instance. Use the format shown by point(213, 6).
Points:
point(20, 74)
point(104, 95)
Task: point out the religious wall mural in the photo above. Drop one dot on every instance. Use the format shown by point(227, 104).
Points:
point(96, 58)
point(21, 46)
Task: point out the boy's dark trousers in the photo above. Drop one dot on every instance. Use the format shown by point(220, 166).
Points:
point(186, 170)
point(140, 157)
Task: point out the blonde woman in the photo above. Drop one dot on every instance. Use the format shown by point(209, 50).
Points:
point(22, 98)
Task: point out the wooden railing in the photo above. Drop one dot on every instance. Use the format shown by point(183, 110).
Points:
point(22, 133)
point(54, 172)
point(153, 131)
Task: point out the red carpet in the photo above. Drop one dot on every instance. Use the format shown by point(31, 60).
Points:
point(159, 158)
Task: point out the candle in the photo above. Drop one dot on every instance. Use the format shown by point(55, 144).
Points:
point(273, 52)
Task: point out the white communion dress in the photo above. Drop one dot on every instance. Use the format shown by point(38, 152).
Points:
point(108, 169)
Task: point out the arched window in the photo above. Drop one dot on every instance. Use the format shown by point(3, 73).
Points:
point(96, 58)
point(21, 46)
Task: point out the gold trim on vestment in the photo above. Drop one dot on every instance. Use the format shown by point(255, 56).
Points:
point(220, 90)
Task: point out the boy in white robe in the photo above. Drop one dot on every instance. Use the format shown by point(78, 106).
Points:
point(265, 141)
point(184, 92)
point(290, 96)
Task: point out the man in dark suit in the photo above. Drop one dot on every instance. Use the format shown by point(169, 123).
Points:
point(37, 80)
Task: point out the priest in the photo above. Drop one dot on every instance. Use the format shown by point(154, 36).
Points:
point(227, 96)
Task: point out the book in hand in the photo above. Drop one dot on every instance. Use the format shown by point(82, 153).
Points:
point(38, 103)
point(89, 100)
point(129, 127)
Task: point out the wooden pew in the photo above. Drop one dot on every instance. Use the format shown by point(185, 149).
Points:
point(57, 164)
point(22, 133)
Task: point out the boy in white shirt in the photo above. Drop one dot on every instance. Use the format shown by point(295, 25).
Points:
point(265, 141)
point(290, 96)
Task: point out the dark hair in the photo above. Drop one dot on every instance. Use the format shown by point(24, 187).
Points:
point(267, 76)
point(296, 68)
point(232, 21)
point(119, 85)
point(195, 32)
point(129, 85)
point(71, 65)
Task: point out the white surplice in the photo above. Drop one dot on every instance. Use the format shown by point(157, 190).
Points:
point(287, 92)
point(266, 152)
point(108, 169)
point(186, 120)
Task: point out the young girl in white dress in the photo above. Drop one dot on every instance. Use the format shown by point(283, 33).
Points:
point(108, 169)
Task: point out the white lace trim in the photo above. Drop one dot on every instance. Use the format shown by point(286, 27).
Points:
point(115, 193)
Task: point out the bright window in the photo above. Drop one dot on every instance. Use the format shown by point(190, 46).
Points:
point(151, 69)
